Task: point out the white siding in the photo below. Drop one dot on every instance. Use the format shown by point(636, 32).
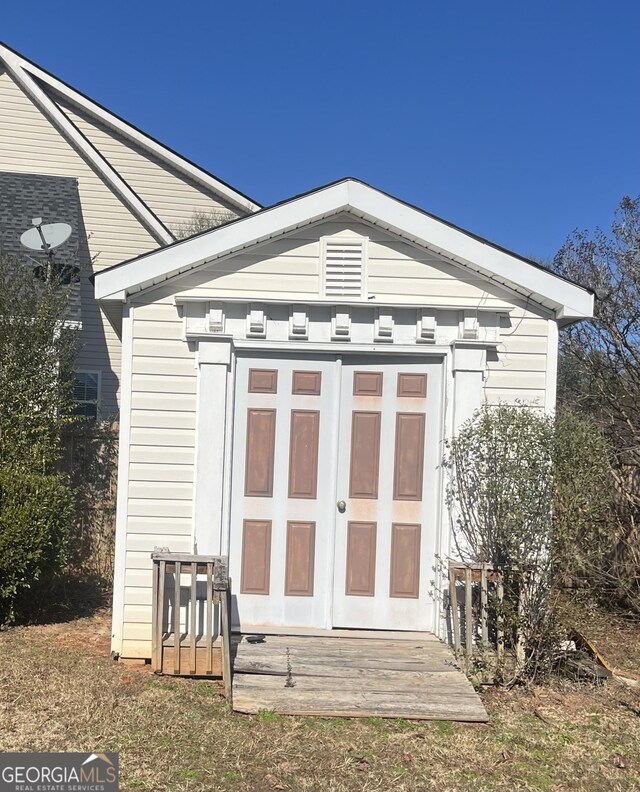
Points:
point(172, 197)
point(519, 374)
point(290, 269)
point(161, 460)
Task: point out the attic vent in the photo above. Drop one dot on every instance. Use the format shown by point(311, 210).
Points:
point(344, 266)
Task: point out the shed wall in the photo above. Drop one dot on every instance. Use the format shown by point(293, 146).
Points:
point(164, 377)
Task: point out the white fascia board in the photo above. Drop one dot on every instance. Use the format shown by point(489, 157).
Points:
point(60, 121)
point(152, 268)
point(568, 301)
point(504, 310)
point(196, 174)
point(573, 301)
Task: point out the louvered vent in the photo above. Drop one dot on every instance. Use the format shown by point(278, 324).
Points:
point(344, 267)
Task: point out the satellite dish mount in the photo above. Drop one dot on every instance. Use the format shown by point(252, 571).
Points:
point(45, 238)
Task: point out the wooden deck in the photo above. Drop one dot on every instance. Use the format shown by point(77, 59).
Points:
point(413, 678)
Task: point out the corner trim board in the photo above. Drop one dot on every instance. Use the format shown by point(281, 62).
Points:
point(122, 498)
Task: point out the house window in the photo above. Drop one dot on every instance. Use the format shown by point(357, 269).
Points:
point(344, 266)
point(86, 393)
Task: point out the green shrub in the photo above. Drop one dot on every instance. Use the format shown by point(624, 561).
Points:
point(37, 351)
point(36, 514)
point(583, 509)
point(533, 496)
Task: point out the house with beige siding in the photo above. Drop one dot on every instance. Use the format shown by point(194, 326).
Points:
point(65, 158)
point(288, 382)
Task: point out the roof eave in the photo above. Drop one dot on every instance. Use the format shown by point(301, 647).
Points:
point(568, 301)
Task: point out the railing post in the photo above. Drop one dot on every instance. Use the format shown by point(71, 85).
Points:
point(193, 608)
point(468, 616)
point(453, 600)
point(520, 655)
point(176, 618)
point(225, 619)
point(209, 618)
point(484, 627)
point(500, 619)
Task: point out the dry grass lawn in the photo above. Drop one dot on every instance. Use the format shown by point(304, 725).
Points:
point(59, 691)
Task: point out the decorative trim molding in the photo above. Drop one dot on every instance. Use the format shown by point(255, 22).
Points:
point(469, 355)
point(256, 321)
point(214, 350)
point(341, 324)
point(298, 322)
point(383, 325)
point(469, 326)
point(427, 325)
point(216, 317)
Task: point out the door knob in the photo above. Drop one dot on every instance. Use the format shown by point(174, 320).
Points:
point(342, 507)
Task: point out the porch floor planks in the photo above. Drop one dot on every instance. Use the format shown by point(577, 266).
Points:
point(352, 677)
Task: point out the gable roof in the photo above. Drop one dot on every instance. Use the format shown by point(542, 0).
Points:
point(568, 300)
point(45, 90)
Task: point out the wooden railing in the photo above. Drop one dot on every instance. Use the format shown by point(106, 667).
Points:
point(476, 593)
point(191, 633)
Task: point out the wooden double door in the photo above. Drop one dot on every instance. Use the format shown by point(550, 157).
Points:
point(334, 504)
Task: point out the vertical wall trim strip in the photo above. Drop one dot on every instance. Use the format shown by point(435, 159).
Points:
point(335, 445)
point(122, 501)
point(211, 412)
point(551, 380)
point(225, 538)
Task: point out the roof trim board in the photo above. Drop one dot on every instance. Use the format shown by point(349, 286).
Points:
point(129, 131)
point(567, 300)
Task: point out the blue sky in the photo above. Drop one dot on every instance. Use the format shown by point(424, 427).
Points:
point(518, 121)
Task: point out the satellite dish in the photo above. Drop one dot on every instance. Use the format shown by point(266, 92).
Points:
point(46, 237)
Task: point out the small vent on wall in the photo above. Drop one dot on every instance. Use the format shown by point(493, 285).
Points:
point(344, 266)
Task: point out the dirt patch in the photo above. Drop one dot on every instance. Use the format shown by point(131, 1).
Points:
point(616, 635)
point(89, 634)
point(59, 690)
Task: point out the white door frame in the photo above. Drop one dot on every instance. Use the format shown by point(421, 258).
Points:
point(463, 371)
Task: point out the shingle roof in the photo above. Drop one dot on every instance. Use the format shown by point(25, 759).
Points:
point(24, 196)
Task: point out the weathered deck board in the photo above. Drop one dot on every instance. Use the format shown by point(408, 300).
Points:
point(353, 677)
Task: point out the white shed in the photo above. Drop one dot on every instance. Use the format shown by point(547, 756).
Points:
point(288, 381)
